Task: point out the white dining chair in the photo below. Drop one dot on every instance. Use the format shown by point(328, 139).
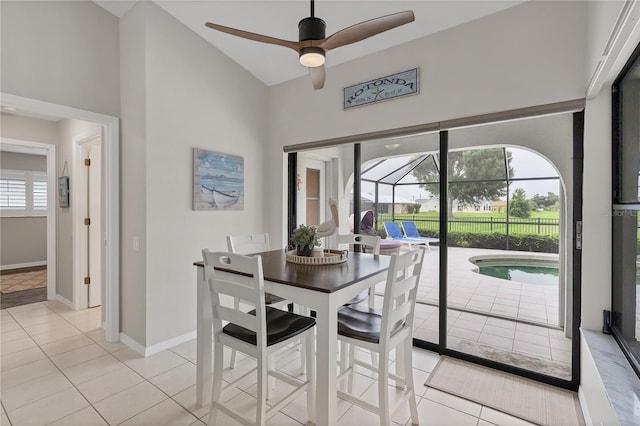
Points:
point(249, 244)
point(382, 332)
point(369, 243)
point(258, 333)
point(365, 242)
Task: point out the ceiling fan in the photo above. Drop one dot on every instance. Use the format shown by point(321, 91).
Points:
point(312, 44)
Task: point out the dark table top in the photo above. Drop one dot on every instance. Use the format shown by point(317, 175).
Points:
point(322, 278)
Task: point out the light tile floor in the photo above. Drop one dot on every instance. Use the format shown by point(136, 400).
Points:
point(58, 369)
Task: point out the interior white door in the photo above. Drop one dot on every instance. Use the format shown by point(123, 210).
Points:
point(92, 151)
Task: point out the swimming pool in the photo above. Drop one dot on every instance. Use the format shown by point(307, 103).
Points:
point(523, 270)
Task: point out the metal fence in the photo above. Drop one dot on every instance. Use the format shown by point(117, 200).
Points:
point(542, 226)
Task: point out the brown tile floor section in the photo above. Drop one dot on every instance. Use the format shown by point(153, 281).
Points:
point(22, 279)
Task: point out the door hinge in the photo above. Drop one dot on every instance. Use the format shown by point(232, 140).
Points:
point(87, 280)
point(579, 235)
point(87, 162)
point(87, 221)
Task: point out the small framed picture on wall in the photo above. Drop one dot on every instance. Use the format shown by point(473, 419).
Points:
point(63, 191)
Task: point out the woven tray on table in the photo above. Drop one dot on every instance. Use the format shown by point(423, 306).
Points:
point(330, 257)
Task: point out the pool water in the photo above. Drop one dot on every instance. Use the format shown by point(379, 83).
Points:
point(540, 275)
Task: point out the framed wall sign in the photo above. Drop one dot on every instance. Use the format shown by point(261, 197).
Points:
point(381, 89)
point(63, 191)
point(218, 181)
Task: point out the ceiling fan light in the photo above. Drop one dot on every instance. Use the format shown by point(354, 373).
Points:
point(312, 57)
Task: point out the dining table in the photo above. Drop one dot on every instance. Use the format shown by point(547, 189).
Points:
point(322, 288)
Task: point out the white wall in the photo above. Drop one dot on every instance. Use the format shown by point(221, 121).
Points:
point(468, 70)
point(194, 97)
point(133, 166)
point(64, 52)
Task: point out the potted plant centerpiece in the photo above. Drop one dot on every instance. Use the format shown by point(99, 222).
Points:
point(305, 238)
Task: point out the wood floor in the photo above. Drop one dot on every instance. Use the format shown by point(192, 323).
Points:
point(23, 297)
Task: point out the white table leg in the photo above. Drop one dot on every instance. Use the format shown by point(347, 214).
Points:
point(204, 332)
point(326, 365)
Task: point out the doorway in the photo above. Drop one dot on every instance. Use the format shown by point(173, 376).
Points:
point(110, 219)
point(39, 187)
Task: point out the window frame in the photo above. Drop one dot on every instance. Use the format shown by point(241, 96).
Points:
point(622, 210)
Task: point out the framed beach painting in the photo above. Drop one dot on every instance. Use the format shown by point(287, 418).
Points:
point(218, 181)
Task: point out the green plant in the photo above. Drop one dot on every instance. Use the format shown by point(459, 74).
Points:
point(305, 236)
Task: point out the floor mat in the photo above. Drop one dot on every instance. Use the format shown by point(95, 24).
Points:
point(23, 279)
point(527, 399)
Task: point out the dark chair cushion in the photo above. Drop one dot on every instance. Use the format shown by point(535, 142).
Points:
point(281, 325)
point(362, 323)
point(361, 297)
point(270, 299)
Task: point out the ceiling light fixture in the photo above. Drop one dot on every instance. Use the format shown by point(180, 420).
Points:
point(392, 146)
point(312, 57)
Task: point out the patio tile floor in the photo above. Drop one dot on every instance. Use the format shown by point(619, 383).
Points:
point(538, 343)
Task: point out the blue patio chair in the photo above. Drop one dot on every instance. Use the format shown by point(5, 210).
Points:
point(395, 233)
point(410, 231)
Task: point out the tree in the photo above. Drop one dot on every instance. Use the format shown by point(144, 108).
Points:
point(519, 206)
point(547, 202)
point(474, 176)
point(413, 208)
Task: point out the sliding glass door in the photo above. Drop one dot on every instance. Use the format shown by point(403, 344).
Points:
point(499, 201)
point(508, 270)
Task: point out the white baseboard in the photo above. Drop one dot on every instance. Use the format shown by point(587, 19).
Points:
point(132, 343)
point(23, 265)
point(64, 300)
point(158, 347)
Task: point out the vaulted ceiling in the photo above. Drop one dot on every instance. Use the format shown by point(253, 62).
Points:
point(275, 64)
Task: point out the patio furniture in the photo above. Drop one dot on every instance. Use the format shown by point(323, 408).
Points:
point(258, 333)
point(395, 233)
point(381, 332)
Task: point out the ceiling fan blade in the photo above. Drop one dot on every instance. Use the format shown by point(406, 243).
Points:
point(367, 29)
point(318, 76)
point(255, 37)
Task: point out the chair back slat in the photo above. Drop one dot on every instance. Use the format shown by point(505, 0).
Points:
point(240, 277)
point(236, 289)
point(248, 244)
point(403, 286)
point(372, 241)
point(236, 317)
point(401, 290)
point(400, 312)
